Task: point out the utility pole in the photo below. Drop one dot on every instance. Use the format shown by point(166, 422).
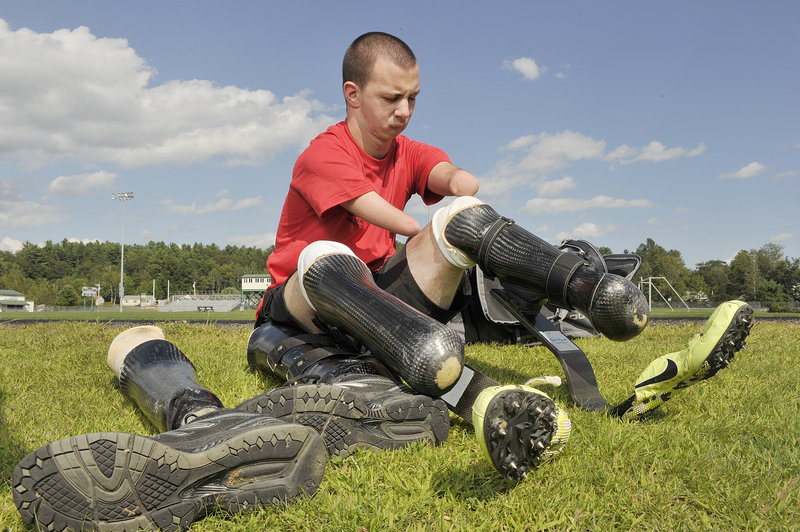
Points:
point(122, 197)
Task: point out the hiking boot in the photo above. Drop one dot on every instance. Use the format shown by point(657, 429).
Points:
point(226, 460)
point(721, 337)
point(518, 427)
point(357, 412)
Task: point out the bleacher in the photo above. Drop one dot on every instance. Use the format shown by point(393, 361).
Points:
point(202, 303)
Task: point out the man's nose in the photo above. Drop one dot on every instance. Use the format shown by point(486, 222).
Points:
point(403, 109)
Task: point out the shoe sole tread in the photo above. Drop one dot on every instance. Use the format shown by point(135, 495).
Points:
point(347, 422)
point(117, 481)
point(518, 438)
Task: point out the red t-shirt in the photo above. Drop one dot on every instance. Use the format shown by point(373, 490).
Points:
point(334, 169)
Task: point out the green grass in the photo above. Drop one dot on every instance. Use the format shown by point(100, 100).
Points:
point(723, 454)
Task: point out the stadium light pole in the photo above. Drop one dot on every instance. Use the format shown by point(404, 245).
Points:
point(122, 197)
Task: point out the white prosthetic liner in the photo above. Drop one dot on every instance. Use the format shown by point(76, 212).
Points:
point(340, 288)
point(158, 377)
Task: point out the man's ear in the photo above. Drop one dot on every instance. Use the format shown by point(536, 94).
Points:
point(352, 94)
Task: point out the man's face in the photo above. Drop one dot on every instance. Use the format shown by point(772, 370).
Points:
point(388, 98)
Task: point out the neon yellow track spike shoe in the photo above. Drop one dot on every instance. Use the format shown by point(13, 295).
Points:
point(518, 427)
point(721, 337)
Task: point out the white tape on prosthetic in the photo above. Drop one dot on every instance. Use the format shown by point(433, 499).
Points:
point(311, 253)
point(439, 222)
point(127, 341)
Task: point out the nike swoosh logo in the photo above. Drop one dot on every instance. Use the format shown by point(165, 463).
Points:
point(669, 372)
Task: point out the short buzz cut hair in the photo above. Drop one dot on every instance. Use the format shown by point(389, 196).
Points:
point(365, 50)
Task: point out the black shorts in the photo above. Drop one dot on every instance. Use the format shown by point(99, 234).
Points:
point(394, 277)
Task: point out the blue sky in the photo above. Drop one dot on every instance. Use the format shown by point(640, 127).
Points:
point(609, 121)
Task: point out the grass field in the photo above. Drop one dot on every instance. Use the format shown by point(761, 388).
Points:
point(722, 455)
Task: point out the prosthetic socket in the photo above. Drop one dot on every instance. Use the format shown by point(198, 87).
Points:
point(290, 354)
point(158, 377)
point(427, 354)
point(470, 232)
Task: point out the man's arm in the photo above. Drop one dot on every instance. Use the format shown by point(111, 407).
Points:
point(445, 179)
point(448, 180)
point(377, 211)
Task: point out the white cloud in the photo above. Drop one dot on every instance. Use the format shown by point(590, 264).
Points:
point(654, 152)
point(587, 230)
point(71, 95)
point(10, 244)
point(17, 212)
point(561, 75)
point(787, 175)
point(553, 188)
point(781, 237)
point(547, 152)
point(525, 66)
point(556, 205)
point(531, 157)
point(224, 204)
point(79, 185)
point(262, 241)
point(745, 172)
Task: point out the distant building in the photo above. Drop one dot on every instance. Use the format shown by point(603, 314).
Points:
point(140, 300)
point(253, 287)
point(13, 301)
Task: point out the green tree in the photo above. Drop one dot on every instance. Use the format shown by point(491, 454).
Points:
point(715, 275)
point(658, 262)
point(68, 297)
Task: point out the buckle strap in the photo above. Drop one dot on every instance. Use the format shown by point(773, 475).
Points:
point(559, 275)
point(311, 357)
point(486, 242)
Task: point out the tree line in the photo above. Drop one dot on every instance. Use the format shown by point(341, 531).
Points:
point(54, 273)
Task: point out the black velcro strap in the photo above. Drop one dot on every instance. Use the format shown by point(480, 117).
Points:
point(487, 241)
point(559, 275)
point(311, 357)
point(293, 341)
point(460, 398)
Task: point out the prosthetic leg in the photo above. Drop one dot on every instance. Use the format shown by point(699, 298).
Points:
point(352, 400)
point(216, 459)
point(470, 232)
point(427, 354)
point(517, 427)
point(158, 377)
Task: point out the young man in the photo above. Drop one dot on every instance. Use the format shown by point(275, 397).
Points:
point(336, 273)
point(358, 330)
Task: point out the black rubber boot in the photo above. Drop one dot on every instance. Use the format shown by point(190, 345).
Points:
point(158, 377)
point(353, 401)
point(614, 305)
point(427, 354)
point(225, 460)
